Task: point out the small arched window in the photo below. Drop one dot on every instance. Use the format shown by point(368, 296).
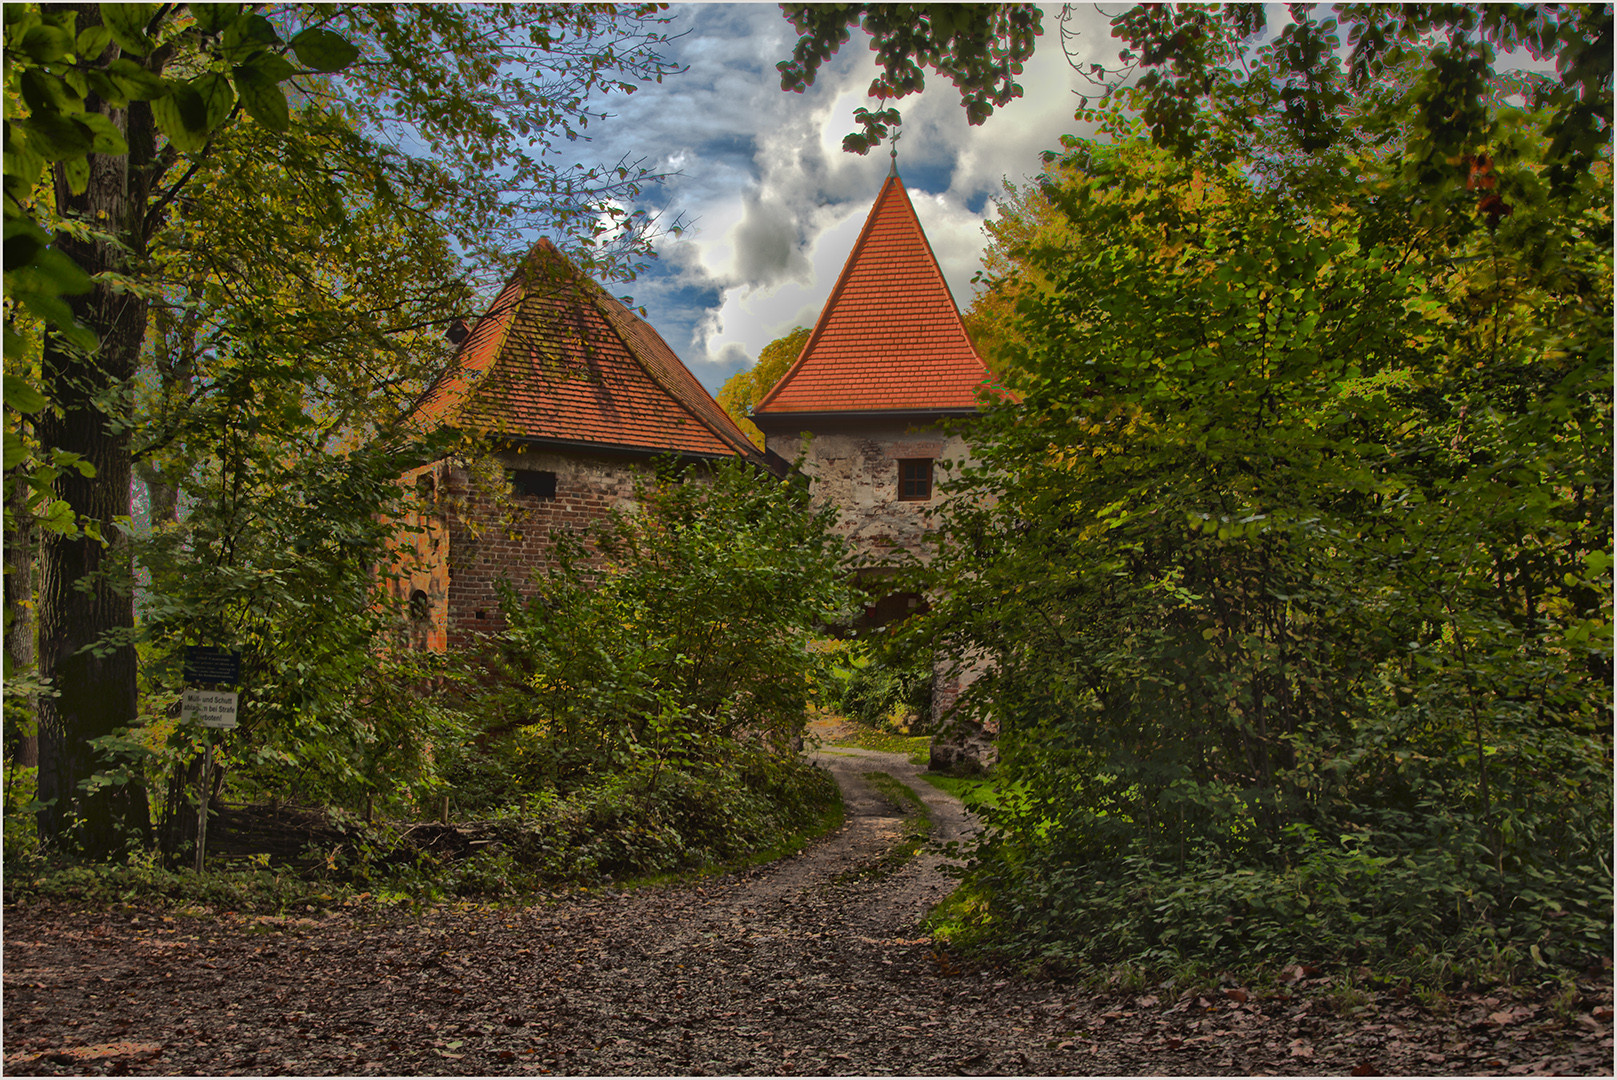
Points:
point(420, 606)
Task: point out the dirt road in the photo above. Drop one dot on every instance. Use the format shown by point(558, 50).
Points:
point(811, 965)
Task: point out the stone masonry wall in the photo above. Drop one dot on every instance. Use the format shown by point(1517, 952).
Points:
point(855, 469)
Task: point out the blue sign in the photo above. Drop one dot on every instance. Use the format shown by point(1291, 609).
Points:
point(206, 665)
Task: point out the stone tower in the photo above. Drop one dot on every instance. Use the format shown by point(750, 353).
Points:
point(888, 361)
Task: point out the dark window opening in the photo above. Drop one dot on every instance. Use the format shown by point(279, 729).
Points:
point(420, 605)
point(539, 485)
point(894, 607)
point(915, 479)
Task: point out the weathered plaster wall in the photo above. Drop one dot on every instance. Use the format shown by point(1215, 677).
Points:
point(855, 469)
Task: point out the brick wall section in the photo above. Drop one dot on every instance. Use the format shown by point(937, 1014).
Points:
point(463, 538)
point(509, 537)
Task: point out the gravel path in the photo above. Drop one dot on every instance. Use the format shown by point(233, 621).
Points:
point(810, 965)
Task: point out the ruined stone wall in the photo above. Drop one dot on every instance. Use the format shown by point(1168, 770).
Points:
point(855, 469)
point(422, 566)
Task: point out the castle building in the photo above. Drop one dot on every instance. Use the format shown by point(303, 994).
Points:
point(575, 400)
point(863, 408)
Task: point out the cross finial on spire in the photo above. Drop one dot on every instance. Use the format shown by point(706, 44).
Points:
point(893, 169)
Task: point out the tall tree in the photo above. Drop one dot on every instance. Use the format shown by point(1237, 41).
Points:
point(745, 389)
point(299, 324)
point(1295, 556)
point(125, 103)
point(1025, 218)
point(107, 195)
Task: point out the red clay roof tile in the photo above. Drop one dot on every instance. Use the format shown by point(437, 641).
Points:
point(890, 337)
point(555, 357)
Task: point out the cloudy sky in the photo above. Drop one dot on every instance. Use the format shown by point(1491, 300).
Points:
point(772, 203)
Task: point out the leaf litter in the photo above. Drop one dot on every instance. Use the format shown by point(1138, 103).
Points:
point(813, 965)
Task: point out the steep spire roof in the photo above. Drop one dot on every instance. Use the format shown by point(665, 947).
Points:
point(890, 337)
point(555, 359)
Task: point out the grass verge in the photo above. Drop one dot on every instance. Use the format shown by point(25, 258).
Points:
point(917, 827)
point(917, 747)
point(972, 791)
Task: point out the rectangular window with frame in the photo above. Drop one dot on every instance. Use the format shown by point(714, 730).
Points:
point(532, 482)
point(914, 479)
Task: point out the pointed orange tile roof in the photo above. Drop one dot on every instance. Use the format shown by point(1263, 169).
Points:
point(557, 360)
point(890, 337)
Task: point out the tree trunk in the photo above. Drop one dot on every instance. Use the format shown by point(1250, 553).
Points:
point(174, 341)
point(86, 611)
point(20, 626)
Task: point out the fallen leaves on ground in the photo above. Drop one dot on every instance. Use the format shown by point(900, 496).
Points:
point(796, 969)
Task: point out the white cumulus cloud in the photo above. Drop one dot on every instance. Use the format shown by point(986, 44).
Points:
point(773, 204)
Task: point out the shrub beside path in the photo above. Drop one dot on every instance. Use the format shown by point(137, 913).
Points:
point(810, 965)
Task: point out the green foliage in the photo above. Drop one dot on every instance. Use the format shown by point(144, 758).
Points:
point(916, 746)
point(271, 413)
point(141, 878)
point(647, 820)
point(980, 48)
point(654, 685)
point(689, 634)
point(743, 390)
point(498, 98)
point(299, 269)
point(1202, 78)
point(17, 804)
point(620, 830)
point(973, 792)
point(277, 558)
point(888, 691)
point(1295, 569)
point(54, 67)
point(565, 815)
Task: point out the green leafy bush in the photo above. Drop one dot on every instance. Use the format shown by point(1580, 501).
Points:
point(683, 632)
point(142, 878)
point(639, 823)
point(1294, 565)
point(652, 691)
point(889, 691)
